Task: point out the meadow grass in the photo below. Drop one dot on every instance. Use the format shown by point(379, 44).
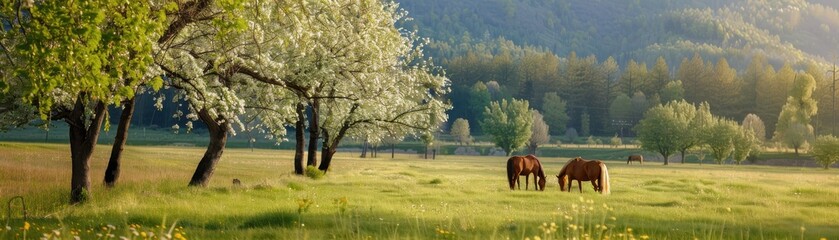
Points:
point(452, 197)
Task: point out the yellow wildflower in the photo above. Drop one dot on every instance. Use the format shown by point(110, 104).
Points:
point(26, 226)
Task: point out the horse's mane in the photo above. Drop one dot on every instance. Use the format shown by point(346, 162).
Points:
point(564, 169)
point(541, 172)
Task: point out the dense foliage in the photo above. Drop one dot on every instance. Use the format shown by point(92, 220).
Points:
point(784, 29)
point(718, 52)
point(826, 150)
point(509, 124)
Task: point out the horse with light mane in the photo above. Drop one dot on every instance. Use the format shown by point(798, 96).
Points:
point(635, 157)
point(525, 165)
point(584, 170)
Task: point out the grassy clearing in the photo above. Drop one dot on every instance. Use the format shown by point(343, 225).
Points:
point(453, 197)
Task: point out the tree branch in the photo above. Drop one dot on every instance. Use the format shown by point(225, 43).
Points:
point(187, 13)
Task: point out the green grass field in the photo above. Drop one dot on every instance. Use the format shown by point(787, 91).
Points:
point(453, 197)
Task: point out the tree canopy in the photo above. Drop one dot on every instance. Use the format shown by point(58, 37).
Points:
point(826, 150)
point(71, 59)
point(460, 130)
point(675, 126)
point(509, 124)
point(540, 132)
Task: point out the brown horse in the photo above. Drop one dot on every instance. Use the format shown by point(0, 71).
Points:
point(635, 157)
point(518, 165)
point(584, 170)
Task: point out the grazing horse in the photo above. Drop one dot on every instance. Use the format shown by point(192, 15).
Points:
point(635, 157)
point(518, 165)
point(584, 170)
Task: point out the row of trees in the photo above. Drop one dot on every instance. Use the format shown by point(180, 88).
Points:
point(667, 129)
point(338, 69)
point(571, 89)
point(679, 126)
point(675, 127)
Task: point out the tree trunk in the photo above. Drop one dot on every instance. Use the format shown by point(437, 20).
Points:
point(329, 149)
point(363, 149)
point(314, 134)
point(683, 156)
point(218, 139)
point(250, 140)
point(326, 157)
point(82, 143)
point(666, 160)
point(112, 171)
point(392, 150)
point(426, 151)
point(299, 138)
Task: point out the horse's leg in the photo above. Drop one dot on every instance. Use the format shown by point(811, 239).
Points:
point(515, 181)
point(526, 181)
point(570, 183)
point(580, 185)
point(599, 185)
point(594, 185)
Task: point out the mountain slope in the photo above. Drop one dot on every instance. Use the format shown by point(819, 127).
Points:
point(784, 30)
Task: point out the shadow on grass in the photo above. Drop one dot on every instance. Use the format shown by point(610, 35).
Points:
point(269, 219)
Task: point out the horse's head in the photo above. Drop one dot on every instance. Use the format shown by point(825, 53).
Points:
point(562, 180)
point(542, 181)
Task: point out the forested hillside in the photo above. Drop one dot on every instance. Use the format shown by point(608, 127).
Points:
point(596, 66)
point(789, 30)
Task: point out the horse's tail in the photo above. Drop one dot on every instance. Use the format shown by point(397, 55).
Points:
point(604, 179)
point(511, 173)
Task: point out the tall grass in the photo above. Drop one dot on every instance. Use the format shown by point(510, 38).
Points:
point(453, 197)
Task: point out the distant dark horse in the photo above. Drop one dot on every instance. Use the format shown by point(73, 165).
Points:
point(518, 165)
point(635, 157)
point(584, 170)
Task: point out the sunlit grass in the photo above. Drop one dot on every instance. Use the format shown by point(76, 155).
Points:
point(460, 197)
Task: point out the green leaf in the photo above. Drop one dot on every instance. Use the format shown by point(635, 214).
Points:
point(156, 83)
point(107, 122)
